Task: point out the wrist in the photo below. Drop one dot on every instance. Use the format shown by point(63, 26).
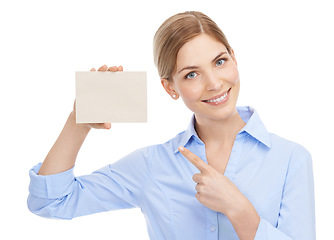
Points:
point(83, 127)
point(245, 220)
point(242, 210)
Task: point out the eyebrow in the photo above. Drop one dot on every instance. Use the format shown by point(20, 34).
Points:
point(218, 56)
point(195, 67)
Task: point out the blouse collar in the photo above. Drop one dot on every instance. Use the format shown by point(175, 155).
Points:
point(254, 127)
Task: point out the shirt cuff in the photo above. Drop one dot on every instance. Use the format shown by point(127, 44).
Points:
point(261, 230)
point(50, 186)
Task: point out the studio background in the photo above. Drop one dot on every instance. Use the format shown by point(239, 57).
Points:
point(284, 51)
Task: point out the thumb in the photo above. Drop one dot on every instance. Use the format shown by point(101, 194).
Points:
point(107, 125)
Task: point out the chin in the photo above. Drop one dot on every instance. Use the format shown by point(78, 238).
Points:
point(219, 114)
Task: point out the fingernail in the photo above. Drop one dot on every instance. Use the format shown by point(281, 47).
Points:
point(181, 148)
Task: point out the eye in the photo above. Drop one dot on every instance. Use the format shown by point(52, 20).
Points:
point(190, 75)
point(221, 61)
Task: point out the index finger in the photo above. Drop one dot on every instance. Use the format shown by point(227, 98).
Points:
point(194, 159)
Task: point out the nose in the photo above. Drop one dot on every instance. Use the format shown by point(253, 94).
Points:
point(213, 82)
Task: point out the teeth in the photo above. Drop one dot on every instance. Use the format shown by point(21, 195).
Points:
point(218, 99)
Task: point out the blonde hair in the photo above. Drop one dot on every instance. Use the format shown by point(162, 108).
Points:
point(175, 32)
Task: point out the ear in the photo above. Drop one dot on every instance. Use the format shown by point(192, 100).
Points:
point(233, 57)
point(168, 86)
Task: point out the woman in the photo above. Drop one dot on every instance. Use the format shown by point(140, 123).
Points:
point(225, 177)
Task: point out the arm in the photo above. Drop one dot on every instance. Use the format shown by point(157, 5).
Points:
point(296, 220)
point(55, 192)
point(63, 153)
point(115, 186)
point(245, 221)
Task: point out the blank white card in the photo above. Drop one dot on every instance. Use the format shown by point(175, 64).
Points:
point(115, 97)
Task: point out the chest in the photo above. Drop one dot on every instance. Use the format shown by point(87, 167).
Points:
point(218, 158)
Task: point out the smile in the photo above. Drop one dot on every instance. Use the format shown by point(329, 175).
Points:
point(218, 99)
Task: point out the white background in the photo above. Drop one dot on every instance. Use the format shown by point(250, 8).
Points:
point(285, 55)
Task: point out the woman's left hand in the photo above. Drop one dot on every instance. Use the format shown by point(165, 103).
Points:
point(214, 190)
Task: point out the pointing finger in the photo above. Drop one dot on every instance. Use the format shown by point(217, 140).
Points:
point(194, 159)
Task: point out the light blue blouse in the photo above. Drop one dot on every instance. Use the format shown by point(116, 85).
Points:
point(273, 173)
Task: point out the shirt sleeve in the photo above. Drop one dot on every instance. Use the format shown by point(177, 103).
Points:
point(296, 219)
point(115, 186)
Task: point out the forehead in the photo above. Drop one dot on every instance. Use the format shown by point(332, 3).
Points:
point(200, 49)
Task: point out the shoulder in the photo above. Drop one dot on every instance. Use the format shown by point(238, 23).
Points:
point(281, 142)
point(297, 153)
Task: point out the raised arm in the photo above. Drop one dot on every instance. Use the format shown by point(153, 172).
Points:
point(55, 192)
point(63, 153)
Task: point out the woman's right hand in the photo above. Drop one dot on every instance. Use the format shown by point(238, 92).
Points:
point(98, 125)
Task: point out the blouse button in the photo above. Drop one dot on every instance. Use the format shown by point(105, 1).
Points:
point(212, 228)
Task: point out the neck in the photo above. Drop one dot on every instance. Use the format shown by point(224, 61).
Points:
point(219, 132)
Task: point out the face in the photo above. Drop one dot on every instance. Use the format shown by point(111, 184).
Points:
point(206, 78)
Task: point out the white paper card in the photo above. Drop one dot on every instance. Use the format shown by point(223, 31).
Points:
point(115, 97)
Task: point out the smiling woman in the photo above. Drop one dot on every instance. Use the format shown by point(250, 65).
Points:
point(224, 177)
point(206, 77)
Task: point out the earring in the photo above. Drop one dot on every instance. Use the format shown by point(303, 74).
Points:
point(174, 96)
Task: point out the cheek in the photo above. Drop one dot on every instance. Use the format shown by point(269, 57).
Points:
point(191, 93)
point(235, 91)
point(236, 77)
point(231, 75)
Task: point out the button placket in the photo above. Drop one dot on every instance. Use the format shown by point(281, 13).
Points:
point(212, 224)
point(235, 156)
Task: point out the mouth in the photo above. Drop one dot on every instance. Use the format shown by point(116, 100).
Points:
point(218, 98)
